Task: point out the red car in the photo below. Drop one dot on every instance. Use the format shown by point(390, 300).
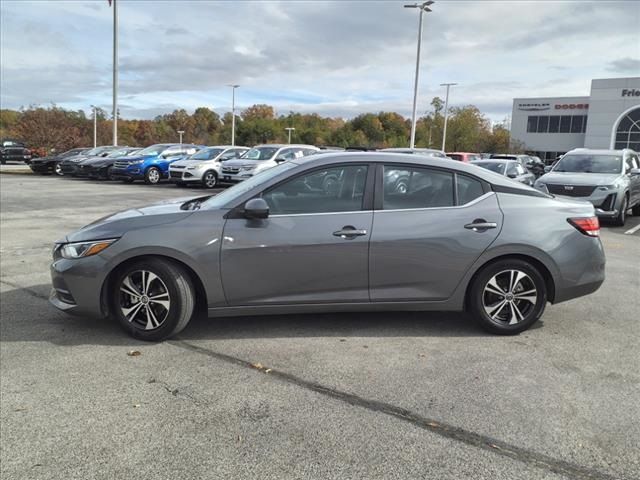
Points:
point(464, 156)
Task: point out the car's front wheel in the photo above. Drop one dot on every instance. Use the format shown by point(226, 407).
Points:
point(152, 176)
point(508, 296)
point(57, 168)
point(621, 219)
point(153, 299)
point(210, 179)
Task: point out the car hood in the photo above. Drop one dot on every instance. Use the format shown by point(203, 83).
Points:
point(569, 178)
point(190, 163)
point(134, 158)
point(117, 224)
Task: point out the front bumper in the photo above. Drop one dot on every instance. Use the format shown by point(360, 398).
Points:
point(77, 285)
point(69, 168)
point(228, 177)
point(130, 173)
point(41, 167)
point(185, 176)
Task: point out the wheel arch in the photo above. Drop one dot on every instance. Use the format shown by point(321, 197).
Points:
point(549, 280)
point(107, 284)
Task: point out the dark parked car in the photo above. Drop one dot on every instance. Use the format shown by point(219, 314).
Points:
point(286, 241)
point(100, 167)
point(51, 163)
point(14, 151)
point(509, 168)
point(69, 166)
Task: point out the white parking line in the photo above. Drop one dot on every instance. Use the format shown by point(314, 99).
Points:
point(633, 230)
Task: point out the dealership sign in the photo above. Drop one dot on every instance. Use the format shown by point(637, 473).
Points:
point(630, 92)
point(571, 106)
point(530, 107)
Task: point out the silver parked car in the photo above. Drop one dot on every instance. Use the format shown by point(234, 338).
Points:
point(204, 167)
point(509, 168)
point(609, 179)
point(262, 157)
point(329, 233)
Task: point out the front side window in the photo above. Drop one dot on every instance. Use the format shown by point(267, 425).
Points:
point(260, 153)
point(334, 189)
point(206, 154)
point(415, 187)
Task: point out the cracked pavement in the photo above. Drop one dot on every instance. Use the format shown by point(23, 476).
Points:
point(375, 395)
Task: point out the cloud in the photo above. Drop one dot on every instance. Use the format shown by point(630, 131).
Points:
point(625, 65)
point(336, 58)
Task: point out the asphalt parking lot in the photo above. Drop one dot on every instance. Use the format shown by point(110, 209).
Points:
point(385, 395)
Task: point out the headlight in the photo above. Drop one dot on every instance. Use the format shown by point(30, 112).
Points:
point(135, 162)
point(615, 186)
point(84, 249)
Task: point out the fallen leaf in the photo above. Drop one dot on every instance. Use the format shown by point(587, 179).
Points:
point(257, 366)
point(20, 409)
point(433, 424)
point(343, 339)
point(267, 370)
point(365, 346)
point(134, 353)
point(137, 405)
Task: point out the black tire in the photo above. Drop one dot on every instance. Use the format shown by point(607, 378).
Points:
point(180, 296)
point(481, 300)
point(3, 162)
point(210, 179)
point(152, 176)
point(108, 173)
point(621, 219)
point(636, 210)
point(57, 169)
point(127, 180)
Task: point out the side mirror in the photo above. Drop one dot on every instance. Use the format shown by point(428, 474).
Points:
point(280, 159)
point(256, 208)
point(512, 175)
point(547, 168)
point(634, 172)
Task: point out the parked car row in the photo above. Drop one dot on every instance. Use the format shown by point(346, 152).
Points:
point(12, 150)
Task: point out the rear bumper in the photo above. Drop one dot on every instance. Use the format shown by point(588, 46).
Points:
point(582, 269)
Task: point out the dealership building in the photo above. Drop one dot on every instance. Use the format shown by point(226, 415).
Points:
point(608, 118)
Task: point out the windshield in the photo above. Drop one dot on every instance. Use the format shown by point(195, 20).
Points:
point(93, 151)
point(134, 152)
point(260, 153)
point(153, 150)
point(118, 153)
point(241, 188)
point(206, 154)
point(589, 163)
point(497, 167)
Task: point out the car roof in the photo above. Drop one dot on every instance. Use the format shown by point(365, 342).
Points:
point(462, 153)
point(283, 145)
point(599, 151)
point(407, 149)
point(225, 146)
point(495, 160)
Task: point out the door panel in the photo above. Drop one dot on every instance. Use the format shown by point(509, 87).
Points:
point(422, 254)
point(296, 259)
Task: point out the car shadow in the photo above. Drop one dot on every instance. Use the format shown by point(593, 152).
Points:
point(27, 316)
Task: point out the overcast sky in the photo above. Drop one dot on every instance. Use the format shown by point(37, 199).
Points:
point(338, 58)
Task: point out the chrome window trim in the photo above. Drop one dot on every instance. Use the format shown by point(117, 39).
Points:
point(471, 203)
point(318, 213)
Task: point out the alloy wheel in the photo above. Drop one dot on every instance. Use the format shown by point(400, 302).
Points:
point(210, 180)
point(509, 297)
point(144, 300)
point(153, 175)
point(58, 169)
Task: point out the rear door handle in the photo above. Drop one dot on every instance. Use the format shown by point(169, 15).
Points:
point(480, 225)
point(349, 232)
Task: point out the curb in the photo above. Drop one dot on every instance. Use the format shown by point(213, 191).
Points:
point(16, 172)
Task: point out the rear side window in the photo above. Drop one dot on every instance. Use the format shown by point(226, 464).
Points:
point(468, 189)
point(414, 187)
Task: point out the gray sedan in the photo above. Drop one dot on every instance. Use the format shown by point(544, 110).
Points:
point(329, 233)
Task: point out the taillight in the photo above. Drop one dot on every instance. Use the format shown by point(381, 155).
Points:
point(586, 225)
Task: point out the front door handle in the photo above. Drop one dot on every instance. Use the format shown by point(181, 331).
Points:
point(349, 232)
point(480, 225)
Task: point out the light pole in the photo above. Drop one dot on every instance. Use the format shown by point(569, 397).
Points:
point(180, 132)
point(290, 129)
point(115, 72)
point(95, 126)
point(423, 7)
point(233, 113)
point(446, 113)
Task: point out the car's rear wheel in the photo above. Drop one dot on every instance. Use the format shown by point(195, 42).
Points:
point(210, 179)
point(58, 170)
point(153, 299)
point(636, 210)
point(152, 176)
point(621, 219)
point(508, 296)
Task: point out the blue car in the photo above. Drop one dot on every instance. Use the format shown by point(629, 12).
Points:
point(152, 163)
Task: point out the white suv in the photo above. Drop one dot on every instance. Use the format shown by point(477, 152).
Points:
point(262, 157)
point(203, 166)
